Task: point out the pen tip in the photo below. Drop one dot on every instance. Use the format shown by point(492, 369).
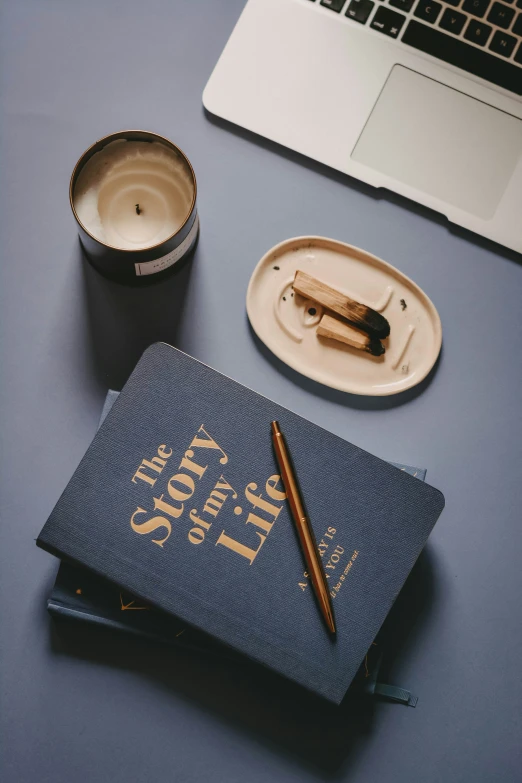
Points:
point(275, 428)
point(330, 622)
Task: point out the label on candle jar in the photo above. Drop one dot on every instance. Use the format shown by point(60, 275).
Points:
point(159, 264)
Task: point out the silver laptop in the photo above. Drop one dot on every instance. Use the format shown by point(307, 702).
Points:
point(419, 96)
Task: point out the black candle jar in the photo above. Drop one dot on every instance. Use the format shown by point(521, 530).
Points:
point(138, 218)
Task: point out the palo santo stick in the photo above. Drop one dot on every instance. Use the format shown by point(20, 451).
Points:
point(359, 315)
point(335, 329)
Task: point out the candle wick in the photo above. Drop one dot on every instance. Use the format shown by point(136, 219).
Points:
point(138, 210)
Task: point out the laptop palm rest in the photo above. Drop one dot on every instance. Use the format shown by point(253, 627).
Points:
point(441, 142)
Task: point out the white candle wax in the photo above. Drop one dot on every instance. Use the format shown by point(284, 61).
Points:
point(133, 195)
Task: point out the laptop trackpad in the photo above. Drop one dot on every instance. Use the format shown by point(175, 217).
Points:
point(441, 142)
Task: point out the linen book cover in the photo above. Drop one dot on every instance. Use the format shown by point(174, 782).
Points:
point(78, 594)
point(178, 500)
point(81, 595)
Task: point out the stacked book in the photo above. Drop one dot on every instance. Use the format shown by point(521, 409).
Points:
point(175, 525)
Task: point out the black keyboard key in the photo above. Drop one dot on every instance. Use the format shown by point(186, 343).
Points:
point(478, 32)
point(360, 10)
point(508, 1)
point(452, 21)
point(456, 52)
point(503, 44)
point(517, 27)
point(518, 55)
point(387, 22)
point(476, 7)
point(427, 10)
point(402, 5)
point(501, 15)
point(452, 2)
point(333, 5)
point(519, 3)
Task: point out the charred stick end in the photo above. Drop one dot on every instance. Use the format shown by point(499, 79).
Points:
point(375, 347)
point(375, 324)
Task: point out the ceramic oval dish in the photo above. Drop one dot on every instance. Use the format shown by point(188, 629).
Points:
point(286, 322)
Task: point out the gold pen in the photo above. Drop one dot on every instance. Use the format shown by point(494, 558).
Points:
point(304, 528)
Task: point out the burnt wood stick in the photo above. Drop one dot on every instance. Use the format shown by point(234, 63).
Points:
point(335, 329)
point(361, 316)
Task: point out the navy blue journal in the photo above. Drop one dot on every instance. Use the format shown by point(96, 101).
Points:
point(81, 595)
point(78, 594)
point(179, 502)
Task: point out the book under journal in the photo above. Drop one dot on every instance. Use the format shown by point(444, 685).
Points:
point(179, 501)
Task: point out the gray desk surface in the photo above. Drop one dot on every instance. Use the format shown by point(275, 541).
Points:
point(85, 706)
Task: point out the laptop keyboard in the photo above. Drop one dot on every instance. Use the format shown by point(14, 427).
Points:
point(483, 37)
